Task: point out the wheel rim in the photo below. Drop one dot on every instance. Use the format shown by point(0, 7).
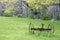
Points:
point(51, 27)
point(31, 26)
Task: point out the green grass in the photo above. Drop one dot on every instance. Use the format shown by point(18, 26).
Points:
point(13, 28)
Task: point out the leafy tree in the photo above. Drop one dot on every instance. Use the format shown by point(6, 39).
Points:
point(42, 5)
point(37, 4)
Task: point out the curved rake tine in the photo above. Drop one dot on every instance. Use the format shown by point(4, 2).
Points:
point(29, 27)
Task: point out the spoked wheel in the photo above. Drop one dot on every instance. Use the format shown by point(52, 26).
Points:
point(50, 26)
point(30, 27)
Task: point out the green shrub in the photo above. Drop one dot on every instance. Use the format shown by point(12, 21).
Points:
point(19, 15)
point(9, 12)
point(46, 17)
point(32, 14)
point(57, 17)
point(8, 15)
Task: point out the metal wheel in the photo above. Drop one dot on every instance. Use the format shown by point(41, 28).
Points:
point(50, 26)
point(30, 27)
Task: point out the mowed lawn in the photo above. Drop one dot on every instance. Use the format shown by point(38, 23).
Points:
point(13, 28)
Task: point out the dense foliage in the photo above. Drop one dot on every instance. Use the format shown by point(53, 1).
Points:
point(35, 3)
point(14, 7)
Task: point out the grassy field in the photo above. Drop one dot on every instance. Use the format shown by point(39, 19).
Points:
point(17, 29)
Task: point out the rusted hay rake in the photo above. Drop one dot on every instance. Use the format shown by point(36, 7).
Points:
point(49, 28)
